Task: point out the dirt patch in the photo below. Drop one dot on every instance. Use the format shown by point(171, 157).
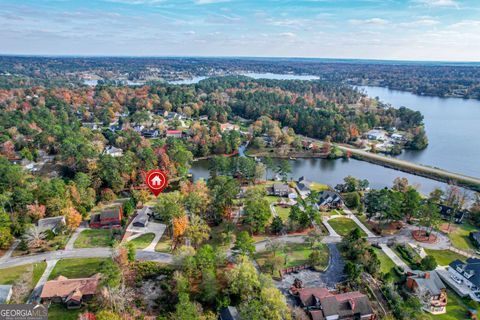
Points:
point(421, 236)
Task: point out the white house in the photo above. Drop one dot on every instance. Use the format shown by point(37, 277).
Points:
point(114, 152)
point(376, 135)
point(466, 276)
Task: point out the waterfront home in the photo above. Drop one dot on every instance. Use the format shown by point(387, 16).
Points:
point(174, 133)
point(280, 189)
point(466, 277)
point(113, 151)
point(303, 187)
point(150, 133)
point(329, 200)
point(111, 218)
point(446, 213)
point(54, 224)
point(71, 292)
point(5, 293)
point(376, 135)
point(91, 125)
point(319, 303)
point(430, 290)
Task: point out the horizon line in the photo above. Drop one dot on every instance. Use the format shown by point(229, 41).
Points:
point(234, 57)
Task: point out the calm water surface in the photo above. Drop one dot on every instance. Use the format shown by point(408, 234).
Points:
point(332, 172)
point(452, 125)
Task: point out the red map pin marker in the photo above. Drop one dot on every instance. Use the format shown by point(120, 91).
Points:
point(156, 181)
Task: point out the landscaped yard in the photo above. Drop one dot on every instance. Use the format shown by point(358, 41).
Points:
point(344, 226)
point(94, 238)
point(459, 235)
point(444, 257)
point(456, 309)
point(77, 268)
point(294, 254)
point(143, 241)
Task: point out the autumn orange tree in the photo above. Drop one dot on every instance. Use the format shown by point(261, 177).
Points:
point(73, 218)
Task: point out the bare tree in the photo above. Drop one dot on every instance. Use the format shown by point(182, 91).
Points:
point(117, 299)
point(34, 237)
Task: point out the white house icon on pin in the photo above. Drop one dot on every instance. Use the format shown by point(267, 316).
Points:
point(156, 181)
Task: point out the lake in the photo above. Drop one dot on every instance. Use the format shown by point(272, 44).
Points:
point(332, 172)
point(452, 125)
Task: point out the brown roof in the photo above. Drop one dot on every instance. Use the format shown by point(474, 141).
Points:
point(344, 304)
point(110, 214)
point(71, 289)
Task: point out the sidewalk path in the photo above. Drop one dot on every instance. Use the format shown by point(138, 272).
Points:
point(71, 242)
point(396, 259)
point(350, 215)
point(10, 250)
point(35, 295)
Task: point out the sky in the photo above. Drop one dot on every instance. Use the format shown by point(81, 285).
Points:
point(435, 30)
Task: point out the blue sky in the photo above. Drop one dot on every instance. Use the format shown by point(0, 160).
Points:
point(373, 29)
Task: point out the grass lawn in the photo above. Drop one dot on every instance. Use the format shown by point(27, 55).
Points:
point(77, 268)
point(165, 244)
point(456, 309)
point(94, 238)
point(344, 226)
point(386, 264)
point(57, 311)
point(444, 257)
point(143, 241)
point(459, 236)
point(315, 186)
point(283, 212)
point(295, 254)
point(272, 199)
point(11, 275)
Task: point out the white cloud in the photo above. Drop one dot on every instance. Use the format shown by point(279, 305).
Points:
point(372, 21)
point(438, 3)
point(425, 22)
point(200, 2)
point(288, 34)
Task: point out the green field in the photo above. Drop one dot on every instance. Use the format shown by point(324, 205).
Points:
point(77, 268)
point(344, 226)
point(94, 238)
point(143, 241)
point(459, 235)
point(26, 272)
point(319, 187)
point(165, 244)
point(444, 257)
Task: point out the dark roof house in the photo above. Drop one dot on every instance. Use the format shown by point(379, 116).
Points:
point(330, 199)
point(446, 213)
point(322, 304)
point(229, 313)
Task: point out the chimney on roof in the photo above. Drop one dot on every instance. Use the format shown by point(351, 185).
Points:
point(427, 275)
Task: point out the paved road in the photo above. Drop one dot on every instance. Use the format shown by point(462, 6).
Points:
point(402, 163)
point(9, 252)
